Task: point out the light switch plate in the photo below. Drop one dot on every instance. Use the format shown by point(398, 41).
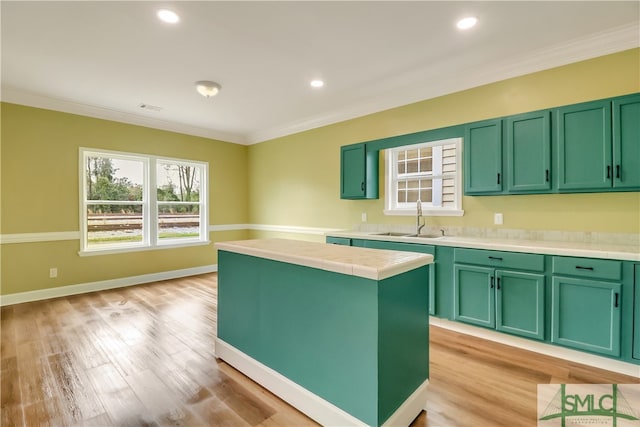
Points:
point(497, 219)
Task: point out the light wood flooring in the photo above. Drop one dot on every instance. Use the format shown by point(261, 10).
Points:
point(143, 356)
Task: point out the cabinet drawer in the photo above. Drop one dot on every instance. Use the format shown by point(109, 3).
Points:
point(516, 260)
point(587, 267)
point(339, 240)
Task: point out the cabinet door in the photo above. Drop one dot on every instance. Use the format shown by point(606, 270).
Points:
point(352, 171)
point(584, 146)
point(483, 157)
point(520, 303)
point(626, 142)
point(529, 152)
point(474, 295)
point(586, 315)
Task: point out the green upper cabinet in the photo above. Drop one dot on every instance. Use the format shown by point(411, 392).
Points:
point(358, 172)
point(585, 146)
point(528, 146)
point(626, 142)
point(483, 157)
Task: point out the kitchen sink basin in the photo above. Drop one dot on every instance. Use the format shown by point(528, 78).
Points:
point(425, 236)
point(392, 233)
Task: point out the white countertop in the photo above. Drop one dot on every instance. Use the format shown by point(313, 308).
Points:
point(372, 264)
point(579, 249)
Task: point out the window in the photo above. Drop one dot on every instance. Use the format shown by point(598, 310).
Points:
point(429, 172)
point(132, 201)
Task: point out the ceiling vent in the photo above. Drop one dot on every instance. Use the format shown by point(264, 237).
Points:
point(150, 107)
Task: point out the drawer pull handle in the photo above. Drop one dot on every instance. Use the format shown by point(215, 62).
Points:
point(498, 178)
point(362, 186)
point(547, 175)
point(495, 258)
point(498, 283)
point(579, 267)
point(617, 303)
point(491, 282)
point(608, 172)
point(618, 171)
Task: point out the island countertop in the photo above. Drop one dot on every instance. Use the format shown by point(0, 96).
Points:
point(372, 264)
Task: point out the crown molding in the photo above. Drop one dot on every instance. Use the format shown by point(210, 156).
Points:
point(17, 96)
point(575, 50)
point(579, 49)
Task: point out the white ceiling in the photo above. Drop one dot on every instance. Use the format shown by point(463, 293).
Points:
point(103, 59)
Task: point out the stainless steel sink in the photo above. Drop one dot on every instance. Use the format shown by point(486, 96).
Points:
point(425, 236)
point(392, 233)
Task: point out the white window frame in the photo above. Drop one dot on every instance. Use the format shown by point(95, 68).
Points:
point(149, 204)
point(392, 207)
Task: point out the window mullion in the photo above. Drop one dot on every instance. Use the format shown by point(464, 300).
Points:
point(151, 206)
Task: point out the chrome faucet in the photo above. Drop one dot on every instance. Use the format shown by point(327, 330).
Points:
point(419, 226)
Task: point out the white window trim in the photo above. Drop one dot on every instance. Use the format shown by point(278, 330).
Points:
point(149, 204)
point(427, 209)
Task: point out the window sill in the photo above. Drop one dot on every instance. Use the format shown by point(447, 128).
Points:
point(112, 251)
point(425, 212)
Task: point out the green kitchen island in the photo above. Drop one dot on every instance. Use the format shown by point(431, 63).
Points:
point(339, 332)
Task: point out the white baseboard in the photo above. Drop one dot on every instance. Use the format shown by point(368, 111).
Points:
point(540, 347)
point(102, 285)
point(307, 402)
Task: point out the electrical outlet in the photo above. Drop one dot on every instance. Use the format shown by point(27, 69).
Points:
point(53, 273)
point(364, 217)
point(498, 219)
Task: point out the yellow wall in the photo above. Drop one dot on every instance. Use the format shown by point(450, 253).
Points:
point(40, 195)
point(294, 180)
point(288, 181)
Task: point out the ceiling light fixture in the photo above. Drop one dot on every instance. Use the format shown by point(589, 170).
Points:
point(168, 16)
point(316, 83)
point(208, 88)
point(466, 23)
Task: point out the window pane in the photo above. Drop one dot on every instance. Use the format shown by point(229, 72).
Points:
point(178, 182)
point(178, 221)
point(113, 224)
point(412, 166)
point(114, 179)
point(426, 164)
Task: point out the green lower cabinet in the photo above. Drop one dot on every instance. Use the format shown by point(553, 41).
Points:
point(586, 315)
point(509, 301)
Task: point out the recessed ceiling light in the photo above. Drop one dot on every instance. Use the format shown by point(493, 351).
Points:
point(317, 83)
point(466, 23)
point(168, 16)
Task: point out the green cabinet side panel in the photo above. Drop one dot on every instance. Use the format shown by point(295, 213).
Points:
point(585, 146)
point(404, 339)
point(411, 247)
point(529, 152)
point(586, 315)
point(636, 314)
point(626, 142)
point(483, 157)
point(520, 303)
point(317, 328)
point(474, 295)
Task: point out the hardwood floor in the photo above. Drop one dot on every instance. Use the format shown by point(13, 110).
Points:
point(143, 356)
